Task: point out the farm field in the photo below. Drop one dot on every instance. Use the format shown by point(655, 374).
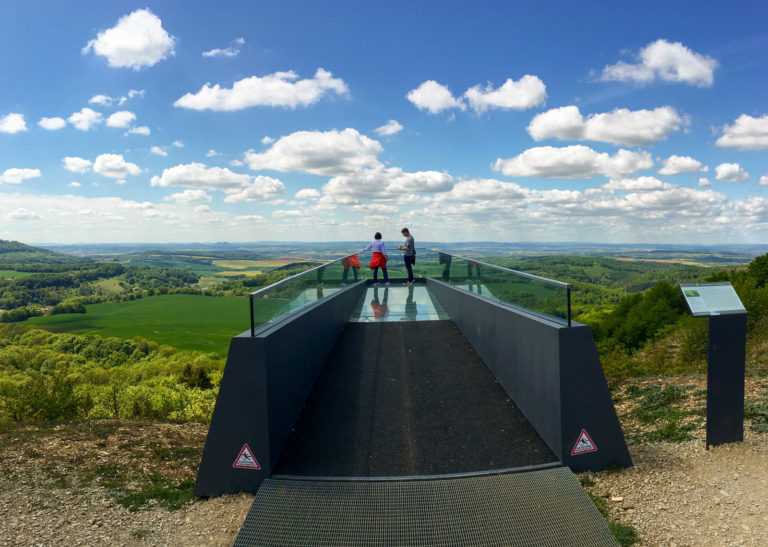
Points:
point(190, 322)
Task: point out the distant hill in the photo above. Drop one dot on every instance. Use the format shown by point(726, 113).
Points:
point(14, 253)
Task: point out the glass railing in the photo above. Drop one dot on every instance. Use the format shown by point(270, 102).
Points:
point(546, 297)
point(292, 294)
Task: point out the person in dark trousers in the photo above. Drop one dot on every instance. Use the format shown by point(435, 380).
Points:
point(378, 258)
point(409, 253)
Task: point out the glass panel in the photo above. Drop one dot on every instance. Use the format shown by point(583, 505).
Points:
point(534, 294)
point(537, 294)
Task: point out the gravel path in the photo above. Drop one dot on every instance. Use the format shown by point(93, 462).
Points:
point(682, 494)
point(677, 494)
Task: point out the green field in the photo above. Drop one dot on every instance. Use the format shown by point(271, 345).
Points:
point(10, 274)
point(190, 322)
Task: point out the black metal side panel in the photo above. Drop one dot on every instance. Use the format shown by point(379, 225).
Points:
point(591, 433)
point(551, 372)
point(521, 350)
point(725, 378)
point(265, 383)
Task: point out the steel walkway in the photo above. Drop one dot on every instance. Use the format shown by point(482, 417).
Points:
point(536, 508)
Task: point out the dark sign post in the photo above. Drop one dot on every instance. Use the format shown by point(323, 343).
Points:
point(726, 356)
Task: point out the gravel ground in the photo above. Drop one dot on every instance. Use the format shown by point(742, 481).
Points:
point(682, 494)
point(59, 485)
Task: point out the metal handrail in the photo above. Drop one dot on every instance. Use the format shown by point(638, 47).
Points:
point(523, 274)
point(286, 280)
point(566, 286)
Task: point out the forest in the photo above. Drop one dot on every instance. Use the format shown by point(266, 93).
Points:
point(634, 308)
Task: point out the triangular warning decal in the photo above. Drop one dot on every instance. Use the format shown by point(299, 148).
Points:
point(245, 459)
point(584, 444)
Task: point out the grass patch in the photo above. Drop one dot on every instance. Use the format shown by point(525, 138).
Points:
point(757, 411)
point(164, 492)
point(189, 322)
point(659, 407)
point(624, 534)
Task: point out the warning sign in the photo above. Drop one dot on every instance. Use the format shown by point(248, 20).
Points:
point(584, 444)
point(245, 459)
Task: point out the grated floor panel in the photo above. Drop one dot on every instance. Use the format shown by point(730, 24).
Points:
point(536, 508)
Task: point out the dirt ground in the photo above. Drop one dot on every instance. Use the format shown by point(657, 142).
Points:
point(62, 485)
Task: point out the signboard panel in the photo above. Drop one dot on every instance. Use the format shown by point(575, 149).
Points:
point(705, 299)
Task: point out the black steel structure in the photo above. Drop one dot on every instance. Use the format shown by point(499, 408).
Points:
point(725, 378)
point(551, 371)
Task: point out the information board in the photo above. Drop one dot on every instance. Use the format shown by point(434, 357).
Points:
point(712, 298)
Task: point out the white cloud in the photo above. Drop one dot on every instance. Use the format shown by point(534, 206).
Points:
point(527, 92)
point(23, 215)
point(141, 130)
point(675, 165)
point(14, 175)
point(308, 193)
point(13, 123)
point(278, 89)
point(267, 140)
point(178, 144)
point(102, 100)
point(385, 182)
point(434, 97)
point(74, 184)
point(226, 52)
point(190, 196)
point(52, 124)
point(620, 126)
point(668, 61)
point(731, 172)
point(705, 183)
point(75, 164)
point(473, 190)
point(261, 189)
point(137, 40)
point(639, 184)
point(114, 166)
point(122, 118)
point(236, 163)
point(572, 162)
point(85, 119)
point(746, 133)
point(212, 153)
point(392, 127)
point(321, 153)
point(158, 151)
point(198, 175)
point(763, 180)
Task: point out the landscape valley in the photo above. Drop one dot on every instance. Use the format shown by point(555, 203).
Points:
point(111, 357)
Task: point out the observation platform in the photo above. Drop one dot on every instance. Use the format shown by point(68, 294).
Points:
point(435, 413)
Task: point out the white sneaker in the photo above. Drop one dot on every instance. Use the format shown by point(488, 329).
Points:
point(387, 283)
point(375, 284)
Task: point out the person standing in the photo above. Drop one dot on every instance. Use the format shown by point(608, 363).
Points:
point(378, 258)
point(409, 253)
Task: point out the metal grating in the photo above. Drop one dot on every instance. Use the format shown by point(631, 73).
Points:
point(536, 508)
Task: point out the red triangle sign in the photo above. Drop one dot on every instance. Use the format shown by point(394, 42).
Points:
point(245, 459)
point(584, 444)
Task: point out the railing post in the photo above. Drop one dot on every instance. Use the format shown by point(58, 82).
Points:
point(253, 326)
point(568, 298)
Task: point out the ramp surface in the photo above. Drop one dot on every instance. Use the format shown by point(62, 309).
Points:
point(405, 399)
point(538, 508)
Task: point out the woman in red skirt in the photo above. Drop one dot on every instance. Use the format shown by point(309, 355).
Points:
point(378, 259)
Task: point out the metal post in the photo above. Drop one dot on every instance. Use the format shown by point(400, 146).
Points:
point(725, 378)
point(253, 326)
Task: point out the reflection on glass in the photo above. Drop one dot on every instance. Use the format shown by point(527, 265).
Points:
point(380, 308)
point(411, 310)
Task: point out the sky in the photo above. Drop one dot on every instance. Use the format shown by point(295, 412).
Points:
point(510, 121)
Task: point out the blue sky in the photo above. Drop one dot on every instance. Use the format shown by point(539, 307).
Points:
point(327, 121)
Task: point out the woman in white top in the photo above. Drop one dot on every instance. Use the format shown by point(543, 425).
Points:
point(378, 259)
